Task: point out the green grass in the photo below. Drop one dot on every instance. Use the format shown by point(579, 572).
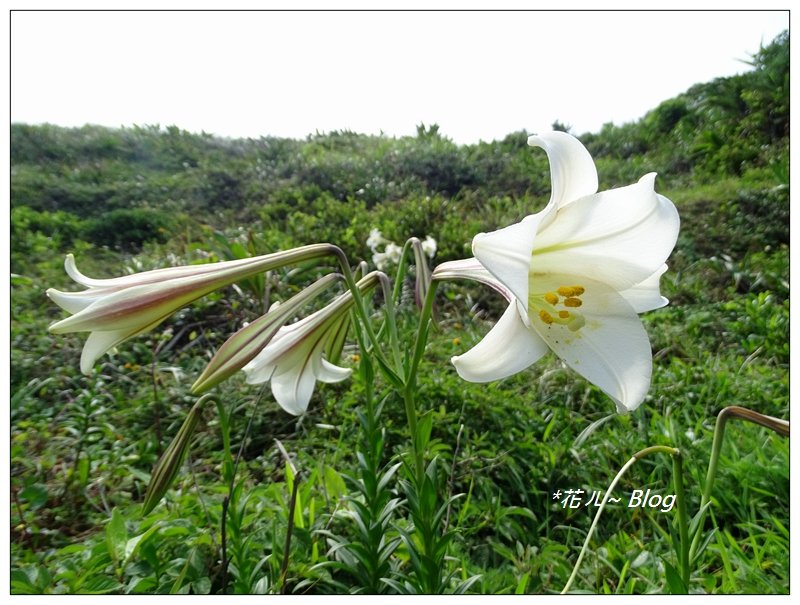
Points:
point(82, 448)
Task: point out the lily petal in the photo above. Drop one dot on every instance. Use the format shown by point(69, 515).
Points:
point(572, 171)
point(155, 275)
point(260, 369)
point(329, 373)
point(472, 269)
point(646, 295)
point(506, 253)
point(610, 350)
point(293, 360)
point(293, 388)
point(620, 237)
point(127, 308)
point(74, 302)
point(99, 343)
point(509, 347)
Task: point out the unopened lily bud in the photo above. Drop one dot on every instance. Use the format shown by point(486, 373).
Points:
point(423, 281)
point(171, 460)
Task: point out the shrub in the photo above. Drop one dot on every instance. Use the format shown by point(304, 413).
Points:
point(128, 229)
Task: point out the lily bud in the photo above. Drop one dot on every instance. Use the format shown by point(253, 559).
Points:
point(423, 271)
point(171, 460)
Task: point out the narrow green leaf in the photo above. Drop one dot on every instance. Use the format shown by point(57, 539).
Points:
point(133, 545)
point(523, 583)
point(116, 536)
point(334, 484)
point(674, 582)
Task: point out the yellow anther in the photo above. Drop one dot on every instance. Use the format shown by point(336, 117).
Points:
point(551, 297)
point(546, 304)
point(568, 291)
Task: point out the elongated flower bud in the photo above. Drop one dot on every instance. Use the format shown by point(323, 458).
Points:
point(423, 280)
point(171, 460)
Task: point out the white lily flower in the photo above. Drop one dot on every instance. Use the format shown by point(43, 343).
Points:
point(381, 260)
point(116, 309)
point(298, 355)
point(375, 239)
point(393, 252)
point(576, 275)
point(429, 246)
point(247, 342)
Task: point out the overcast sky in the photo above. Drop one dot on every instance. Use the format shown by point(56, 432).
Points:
point(479, 75)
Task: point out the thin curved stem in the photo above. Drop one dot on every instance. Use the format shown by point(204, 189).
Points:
point(733, 411)
point(637, 456)
point(388, 301)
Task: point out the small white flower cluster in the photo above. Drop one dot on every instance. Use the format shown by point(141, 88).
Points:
point(391, 251)
point(429, 246)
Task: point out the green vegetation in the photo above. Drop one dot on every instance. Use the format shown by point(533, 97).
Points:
point(83, 448)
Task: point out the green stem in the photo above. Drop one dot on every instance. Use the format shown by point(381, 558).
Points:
point(368, 378)
point(394, 339)
point(683, 518)
point(734, 411)
point(289, 530)
point(361, 309)
point(411, 416)
point(637, 456)
point(410, 388)
point(422, 335)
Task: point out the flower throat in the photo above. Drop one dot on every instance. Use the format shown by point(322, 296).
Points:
point(569, 297)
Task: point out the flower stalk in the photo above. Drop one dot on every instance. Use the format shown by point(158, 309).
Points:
point(683, 518)
point(637, 456)
point(734, 411)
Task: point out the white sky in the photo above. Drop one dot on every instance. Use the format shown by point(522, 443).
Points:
point(479, 75)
